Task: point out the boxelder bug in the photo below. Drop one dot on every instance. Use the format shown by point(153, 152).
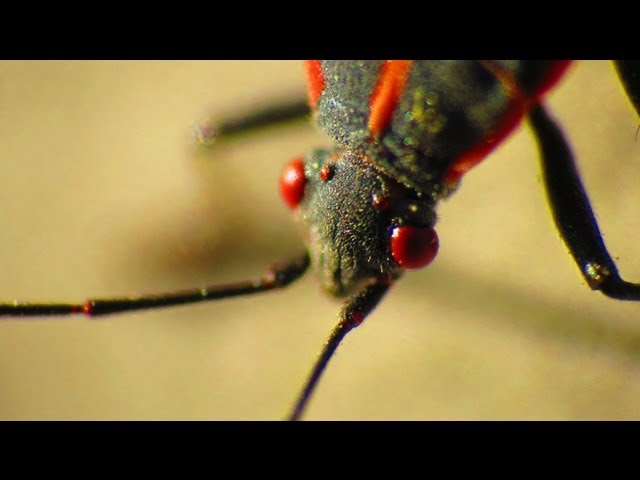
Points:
point(401, 205)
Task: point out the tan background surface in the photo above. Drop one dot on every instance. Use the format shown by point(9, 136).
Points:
point(101, 195)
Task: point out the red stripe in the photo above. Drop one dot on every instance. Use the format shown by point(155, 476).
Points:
point(520, 105)
point(484, 147)
point(553, 76)
point(315, 81)
point(386, 94)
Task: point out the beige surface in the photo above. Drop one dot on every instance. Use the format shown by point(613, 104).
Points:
point(101, 195)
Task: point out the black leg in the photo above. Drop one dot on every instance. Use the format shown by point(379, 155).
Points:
point(572, 211)
point(629, 72)
point(276, 114)
point(276, 277)
point(352, 314)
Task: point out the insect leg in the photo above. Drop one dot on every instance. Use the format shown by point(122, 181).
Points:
point(284, 112)
point(355, 310)
point(276, 277)
point(629, 72)
point(572, 211)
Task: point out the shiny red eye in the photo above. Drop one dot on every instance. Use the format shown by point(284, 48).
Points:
point(414, 247)
point(292, 182)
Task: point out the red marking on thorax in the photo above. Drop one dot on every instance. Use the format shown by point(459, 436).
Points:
point(474, 155)
point(315, 81)
point(386, 94)
point(554, 74)
point(519, 106)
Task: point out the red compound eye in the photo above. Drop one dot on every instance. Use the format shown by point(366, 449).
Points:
point(292, 182)
point(414, 247)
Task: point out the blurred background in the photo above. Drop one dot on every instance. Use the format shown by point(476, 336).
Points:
point(103, 194)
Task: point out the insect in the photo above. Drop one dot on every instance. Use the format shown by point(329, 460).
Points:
point(319, 174)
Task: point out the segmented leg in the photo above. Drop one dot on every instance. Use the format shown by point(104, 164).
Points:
point(629, 73)
point(572, 211)
point(272, 115)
